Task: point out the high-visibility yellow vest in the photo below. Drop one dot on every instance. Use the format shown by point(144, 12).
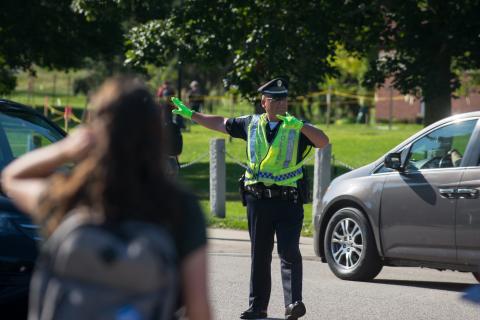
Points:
point(274, 163)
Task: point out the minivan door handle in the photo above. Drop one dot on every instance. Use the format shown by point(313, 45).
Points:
point(449, 193)
point(467, 193)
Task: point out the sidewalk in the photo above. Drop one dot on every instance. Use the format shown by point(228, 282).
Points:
point(237, 242)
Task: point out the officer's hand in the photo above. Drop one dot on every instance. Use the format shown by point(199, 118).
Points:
point(290, 122)
point(182, 109)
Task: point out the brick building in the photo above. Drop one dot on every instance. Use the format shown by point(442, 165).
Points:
point(408, 108)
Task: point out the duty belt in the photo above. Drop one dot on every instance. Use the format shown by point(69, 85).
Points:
point(262, 192)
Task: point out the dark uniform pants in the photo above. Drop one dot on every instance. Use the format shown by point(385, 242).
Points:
point(267, 217)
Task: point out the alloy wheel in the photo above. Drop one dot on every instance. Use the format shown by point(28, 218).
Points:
point(346, 243)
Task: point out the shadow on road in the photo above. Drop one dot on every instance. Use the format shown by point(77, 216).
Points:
point(446, 286)
point(228, 239)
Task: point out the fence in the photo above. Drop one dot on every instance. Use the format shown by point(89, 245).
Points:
point(56, 115)
point(32, 94)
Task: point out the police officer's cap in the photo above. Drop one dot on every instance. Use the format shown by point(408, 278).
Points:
point(276, 88)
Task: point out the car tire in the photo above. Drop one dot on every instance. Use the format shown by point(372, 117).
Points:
point(350, 247)
point(476, 275)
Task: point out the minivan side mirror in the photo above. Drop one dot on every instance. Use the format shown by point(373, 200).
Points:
point(394, 161)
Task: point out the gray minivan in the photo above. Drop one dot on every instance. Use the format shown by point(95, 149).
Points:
point(418, 205)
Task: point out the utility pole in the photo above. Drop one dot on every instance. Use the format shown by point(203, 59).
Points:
point(180, 77)
point(329, 105)
point(54, 89)
point(179, 67)
point(390, 109)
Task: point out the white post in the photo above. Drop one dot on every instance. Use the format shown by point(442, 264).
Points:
point(322, 175)
point(217, 177)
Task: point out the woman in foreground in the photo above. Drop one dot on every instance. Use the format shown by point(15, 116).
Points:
point(118, 176)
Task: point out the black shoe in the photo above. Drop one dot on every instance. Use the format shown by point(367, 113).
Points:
point(295, 310)
point(253, 314)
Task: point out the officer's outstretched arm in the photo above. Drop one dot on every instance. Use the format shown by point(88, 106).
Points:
point(208, 121)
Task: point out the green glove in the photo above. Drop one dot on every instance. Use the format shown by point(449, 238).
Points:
point(182, 110)
point(290, 122)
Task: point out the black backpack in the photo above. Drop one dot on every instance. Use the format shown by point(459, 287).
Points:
point(91, 271)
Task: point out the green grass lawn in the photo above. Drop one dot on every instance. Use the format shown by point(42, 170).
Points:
point(56, 85)
point(355, 145)
point(37, 99)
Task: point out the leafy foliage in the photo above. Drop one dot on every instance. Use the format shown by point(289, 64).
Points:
point(7, 80)
point(125, 10)
point(256, 40)
point(424, 45)
point(50, 34)
point(61, 34)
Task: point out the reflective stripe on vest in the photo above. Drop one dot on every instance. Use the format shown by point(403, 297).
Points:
point(252, 132)
point(291, 141)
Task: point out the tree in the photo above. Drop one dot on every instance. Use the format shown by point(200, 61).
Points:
point(61, 34)
point(350, 81)
point(8, 81)
point(50, 34)
point(420, 44)
point(127, 14)
point(255, 40)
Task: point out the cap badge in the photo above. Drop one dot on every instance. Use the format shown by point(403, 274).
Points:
point(279, 83)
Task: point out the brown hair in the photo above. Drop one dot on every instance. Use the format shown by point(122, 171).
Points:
point(123, 176)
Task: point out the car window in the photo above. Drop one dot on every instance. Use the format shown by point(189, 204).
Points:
point(441, 148)
point(21, 133)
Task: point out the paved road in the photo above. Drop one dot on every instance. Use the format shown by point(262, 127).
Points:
point(397, 293)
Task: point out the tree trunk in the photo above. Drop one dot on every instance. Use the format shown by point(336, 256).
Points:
point(437, 91)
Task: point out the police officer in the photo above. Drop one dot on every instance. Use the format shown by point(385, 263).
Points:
point(276, 147)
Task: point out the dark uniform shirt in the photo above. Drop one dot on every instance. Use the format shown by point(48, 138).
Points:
point(238, 128)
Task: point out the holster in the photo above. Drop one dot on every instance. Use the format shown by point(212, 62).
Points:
point(241, 189)
point(303, 186)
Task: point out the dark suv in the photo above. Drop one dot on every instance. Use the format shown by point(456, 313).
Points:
point(418, 205)
point(22, 129)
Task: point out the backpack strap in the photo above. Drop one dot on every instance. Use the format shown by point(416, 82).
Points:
point(75, 219)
